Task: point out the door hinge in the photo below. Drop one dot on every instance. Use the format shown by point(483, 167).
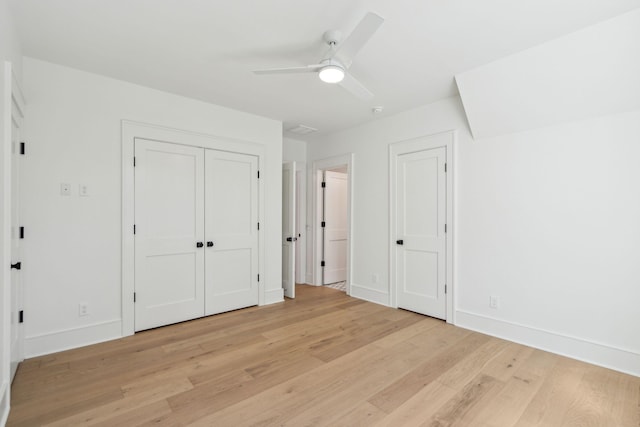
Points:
point(134, 229)
point(445, 228)
point(258, 226)
point(445, 288)
point(134, 297)
point(258, 277)
point(134, 161)
point(322, 264)
point(324, 184)
point(323, 224)
point(258, 174)
point(22, 232)
point(445, 167)
point(21, 316)
point(17, 265)
point(22, 148)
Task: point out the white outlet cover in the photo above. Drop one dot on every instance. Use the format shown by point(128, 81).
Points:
point(83, 190)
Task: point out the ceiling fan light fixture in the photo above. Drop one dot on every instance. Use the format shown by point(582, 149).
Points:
point(331, 74)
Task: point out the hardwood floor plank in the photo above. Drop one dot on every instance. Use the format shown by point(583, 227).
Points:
point(401, 390)
point(323, 359)
point(458, 410)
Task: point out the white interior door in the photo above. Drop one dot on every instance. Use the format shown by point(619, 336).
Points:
point(16, 286)
point(169, 239)
point(420, 231)
point(231, 224)
point(289, 236)
point(335, 228)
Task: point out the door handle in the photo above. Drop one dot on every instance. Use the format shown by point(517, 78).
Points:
point(292, 239)
point(199, 244)
point(17, 265)
point(400, 242)
point(209, 244)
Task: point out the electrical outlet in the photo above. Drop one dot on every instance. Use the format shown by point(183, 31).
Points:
point(65, 189)
point(494, 302)
point(374, 278)
point(83, 190)
point(83, 309)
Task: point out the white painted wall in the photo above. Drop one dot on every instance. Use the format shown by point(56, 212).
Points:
point(10, 50)
point(296, 150)
point(589, 73)
point(73, 248)
point(547, 220)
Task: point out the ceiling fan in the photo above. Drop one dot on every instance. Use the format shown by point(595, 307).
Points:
point(335, 63)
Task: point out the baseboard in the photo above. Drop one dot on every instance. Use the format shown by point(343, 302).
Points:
point(369, 294)
point(4, 402)
point(607, 356)
point(72, 338)
point(273, 296)
point(308, 279)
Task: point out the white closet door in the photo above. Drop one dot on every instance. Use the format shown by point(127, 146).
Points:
point(421, 243)
point(335, 229)
point(231, 224)
point(169, 250)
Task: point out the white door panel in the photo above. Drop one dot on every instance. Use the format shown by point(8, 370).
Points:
point(335, 230)
point(169, 218)
point(421, 218)
point(231, 224)
point(289, 237)
point(16, 286)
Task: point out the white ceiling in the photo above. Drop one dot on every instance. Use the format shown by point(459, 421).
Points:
point(206, 49)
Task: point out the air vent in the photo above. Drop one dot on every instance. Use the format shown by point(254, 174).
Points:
point(302, 130)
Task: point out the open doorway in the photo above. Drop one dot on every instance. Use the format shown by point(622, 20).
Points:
point(332, 237)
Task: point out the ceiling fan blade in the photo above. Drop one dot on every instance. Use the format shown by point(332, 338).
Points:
point(351, 84)
point(290, 70)
point(349, 48)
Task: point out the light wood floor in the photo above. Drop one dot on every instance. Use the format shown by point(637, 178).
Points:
point(322, 359)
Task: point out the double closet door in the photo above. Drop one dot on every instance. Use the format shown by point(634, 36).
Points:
point(196, 232)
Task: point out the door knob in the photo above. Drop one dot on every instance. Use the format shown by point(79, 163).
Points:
point(209, 244)
point(292, 239)
point(199, 244)
point(17, 266)
point(400, 242)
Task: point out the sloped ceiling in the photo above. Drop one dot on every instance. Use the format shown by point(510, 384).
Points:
point(589, 73)
point(206, 49)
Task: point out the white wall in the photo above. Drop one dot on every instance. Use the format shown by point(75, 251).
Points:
point(73, 251)
point(545, 219)
point(294, 150)
point(9, 51)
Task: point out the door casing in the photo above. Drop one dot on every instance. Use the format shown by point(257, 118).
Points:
point(444, 139)
point(132, 130)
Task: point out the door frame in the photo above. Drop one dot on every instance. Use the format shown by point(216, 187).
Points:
point(132, 130)
point(318, 167)
point(448, 140)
